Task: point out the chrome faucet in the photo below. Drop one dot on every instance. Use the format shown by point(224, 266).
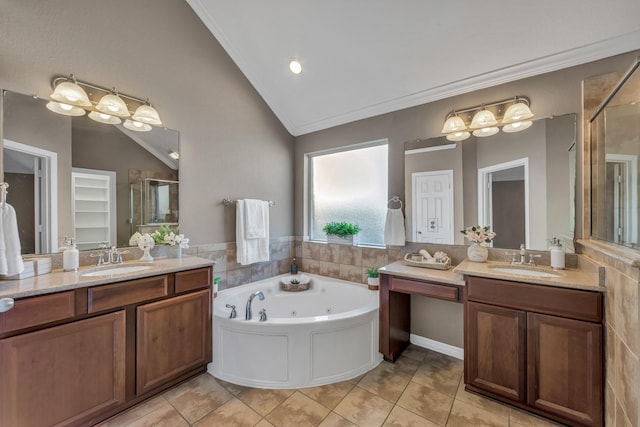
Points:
point(523, 257)
point(113, 256)
point(260, 296)
point(523, 254)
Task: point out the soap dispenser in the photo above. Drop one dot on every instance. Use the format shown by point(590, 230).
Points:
point(294, 267)
point(71, 257)
point(557, 254)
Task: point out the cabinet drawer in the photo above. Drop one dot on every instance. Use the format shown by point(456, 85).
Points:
point(38, 310)
point(569, 303)
point(433, 290)
point(192, 279)
point(125, 293)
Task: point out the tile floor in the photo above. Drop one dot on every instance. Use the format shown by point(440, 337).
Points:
point(423, 388)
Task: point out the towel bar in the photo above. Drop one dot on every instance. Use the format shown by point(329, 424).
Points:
point(229, 202)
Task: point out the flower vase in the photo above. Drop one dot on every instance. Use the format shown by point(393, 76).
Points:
point(477, 253)
point(174, 251)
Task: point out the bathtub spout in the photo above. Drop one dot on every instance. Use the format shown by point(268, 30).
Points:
point(260, 296)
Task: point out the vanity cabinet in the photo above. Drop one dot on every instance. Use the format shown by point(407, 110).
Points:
point(75, 358)
point(537, 347)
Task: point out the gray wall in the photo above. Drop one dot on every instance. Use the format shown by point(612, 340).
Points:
point(231, 143)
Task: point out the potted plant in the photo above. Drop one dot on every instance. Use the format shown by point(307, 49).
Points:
point(341, 232)
point(373, 278)
point(480, 237)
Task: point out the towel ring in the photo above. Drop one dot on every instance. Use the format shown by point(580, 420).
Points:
point(395, 199)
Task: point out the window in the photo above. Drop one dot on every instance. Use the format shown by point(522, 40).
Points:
point(351, 186)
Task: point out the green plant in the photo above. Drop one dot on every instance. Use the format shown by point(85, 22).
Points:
point(294, 282)
point(372, 272)
point(341, 229)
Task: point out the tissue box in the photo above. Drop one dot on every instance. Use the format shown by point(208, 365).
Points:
point(29, 271)
point(41, 265)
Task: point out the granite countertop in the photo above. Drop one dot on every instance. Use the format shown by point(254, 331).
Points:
point(589, 277)
point(59, 280)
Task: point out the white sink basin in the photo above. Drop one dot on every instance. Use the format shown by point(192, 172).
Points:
point(521, 271)
point(110, 271)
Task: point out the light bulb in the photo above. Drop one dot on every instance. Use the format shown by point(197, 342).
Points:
point(295, 67)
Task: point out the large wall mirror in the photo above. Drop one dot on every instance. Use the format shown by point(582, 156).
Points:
point(72, 176)
point(615, 150)
point(521, 184)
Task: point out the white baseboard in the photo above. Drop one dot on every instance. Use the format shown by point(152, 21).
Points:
point(438, 346)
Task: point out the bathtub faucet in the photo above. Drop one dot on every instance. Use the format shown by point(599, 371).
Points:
point(260, 296)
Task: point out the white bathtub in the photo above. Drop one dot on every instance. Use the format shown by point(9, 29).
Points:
point(326, 334)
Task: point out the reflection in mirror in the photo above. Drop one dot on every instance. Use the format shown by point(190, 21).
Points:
point(73, 176)
point(521, 184)
point(615, 148)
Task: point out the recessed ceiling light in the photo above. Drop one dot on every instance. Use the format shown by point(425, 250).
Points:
point(295, 66)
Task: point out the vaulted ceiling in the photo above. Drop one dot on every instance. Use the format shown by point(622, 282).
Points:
point(362, 58)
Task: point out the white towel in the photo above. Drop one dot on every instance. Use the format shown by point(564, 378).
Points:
point(250, 251)
point(10, 257)
point(394, 234)
point(254, 218)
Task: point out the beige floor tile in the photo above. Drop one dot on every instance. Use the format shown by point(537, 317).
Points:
point(234, 413)
point(400, 417)
point(234, 389)
point(440, 373)
point(166, 416)
point(264, 401)
point(136, 412)
point(426, 402)
point(329, 395)
point(197, 397)
point(298, 410)
point(464, 414)
point(357, 379)
point(404, 365)
point(384, 382)
point(335, 420)
point(264, 423)
point(364, 408)
point(519, 418)
point(414, 352)
point(481, 402)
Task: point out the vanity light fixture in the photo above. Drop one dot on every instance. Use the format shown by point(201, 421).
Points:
point(74, 98)
point(483, 120)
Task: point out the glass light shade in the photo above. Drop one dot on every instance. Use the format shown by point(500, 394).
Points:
point(453, 124)
point(481, 133)
point(65, 109)
point(483, 118)
point(517, 112)
point(72, 94)
point(147, 114)
point(104, 118)
point(517, 126)
point(137, 126)
point(458, 136)
point(295, 67)
point(113, 105)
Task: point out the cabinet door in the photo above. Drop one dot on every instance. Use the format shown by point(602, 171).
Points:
point(495, 350)
point(565, 368)
point(173, 337)
point(63, 375)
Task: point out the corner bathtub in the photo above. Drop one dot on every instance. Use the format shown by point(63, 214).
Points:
point(326, 334)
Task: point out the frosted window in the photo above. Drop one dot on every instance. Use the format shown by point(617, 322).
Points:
point(350, 186)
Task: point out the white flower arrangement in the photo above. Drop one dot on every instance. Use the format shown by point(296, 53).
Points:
point(479, 234)
point(143, 241)
point(163, 236)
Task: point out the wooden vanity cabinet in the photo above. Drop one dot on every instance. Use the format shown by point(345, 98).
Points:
point(77, 357)
point(537, 347)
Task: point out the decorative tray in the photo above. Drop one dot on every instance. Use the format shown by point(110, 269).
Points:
point(433, 265)
point(301, 282)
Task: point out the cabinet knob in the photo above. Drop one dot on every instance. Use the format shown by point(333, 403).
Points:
point(6, 304)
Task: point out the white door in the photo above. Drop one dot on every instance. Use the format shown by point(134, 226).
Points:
point(433, 207)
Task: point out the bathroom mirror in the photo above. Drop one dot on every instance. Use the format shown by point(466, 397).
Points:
point(615, 149)
point(522, 184)
point(72, 176)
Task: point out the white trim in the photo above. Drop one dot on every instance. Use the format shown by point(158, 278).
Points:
point(414, 204)
point(484, 209)
point(565, 59)
point(429, 149)
point(50, 197)
point(631, 193)
point(440, 347)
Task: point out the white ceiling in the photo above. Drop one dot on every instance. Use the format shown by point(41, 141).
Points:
point(362, 58)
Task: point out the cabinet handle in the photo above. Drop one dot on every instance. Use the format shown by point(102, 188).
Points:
point(6, 304)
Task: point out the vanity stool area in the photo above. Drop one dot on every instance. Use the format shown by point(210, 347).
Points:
point(75, 350)
point(535, 343)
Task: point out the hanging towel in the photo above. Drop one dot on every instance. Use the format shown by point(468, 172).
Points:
point(394, 234)
point(10, 257)
point(251, 250)
point(254, 218)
